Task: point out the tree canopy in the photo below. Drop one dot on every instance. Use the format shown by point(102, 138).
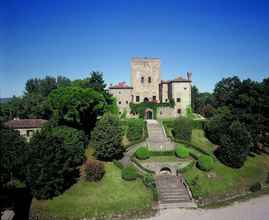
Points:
point(77, 107)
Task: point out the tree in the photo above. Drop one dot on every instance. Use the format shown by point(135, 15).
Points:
point(217, 125)
point(195, 101)
point(235, 145)
point(77, 107)
point(226, 91)
point(95, 81)
point(52, 163)
point(106, 138)
point(12, 147)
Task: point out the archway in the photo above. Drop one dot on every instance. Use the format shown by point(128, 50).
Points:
point(146, 99)
point(148, 114)
point(166, 171)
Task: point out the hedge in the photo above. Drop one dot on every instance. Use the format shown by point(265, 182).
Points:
point(205, 163)
point(182, 128)
point(135, 129)
point(129, 173)
point(142, 153)
point(182, 151)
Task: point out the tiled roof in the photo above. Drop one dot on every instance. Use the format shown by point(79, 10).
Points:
point(121, 85)
point(25, 123)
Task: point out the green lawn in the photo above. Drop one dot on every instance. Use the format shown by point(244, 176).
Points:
point(111, 195)
point(163, 159)
point(198, 139)
point(223, 180)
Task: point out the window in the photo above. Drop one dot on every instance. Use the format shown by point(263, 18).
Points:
point(161, 112)
point(185, 88)
point(119, 92)
point(119, 102)
point(126, 102)
point(166, 100)
point(179, 111)
point(154, 98)
point(178, 99)
point(149, 79)
point(137, 98)
point(29, 133)
point(142, 79)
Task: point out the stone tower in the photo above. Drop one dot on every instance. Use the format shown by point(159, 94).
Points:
point(145, 79)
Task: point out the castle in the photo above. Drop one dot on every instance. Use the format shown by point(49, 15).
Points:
point(147, 86)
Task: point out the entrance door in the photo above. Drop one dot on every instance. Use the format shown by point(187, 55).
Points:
point(149, 115)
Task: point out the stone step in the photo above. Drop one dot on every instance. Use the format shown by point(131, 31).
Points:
point(172, 191)
point(164, 198)
point(172, 200)
point(177, 205)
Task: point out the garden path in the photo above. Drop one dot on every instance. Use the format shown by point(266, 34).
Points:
point(157, 140)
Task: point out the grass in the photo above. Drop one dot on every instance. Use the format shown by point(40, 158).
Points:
point(161, 159)
point(110, 196)
point(224, 181)
point(198, 139)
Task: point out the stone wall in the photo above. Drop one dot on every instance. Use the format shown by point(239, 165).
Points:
point(123, 96)
point(166, 112)
point(145, 78)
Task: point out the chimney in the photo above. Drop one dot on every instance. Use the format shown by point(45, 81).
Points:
point(189, 75)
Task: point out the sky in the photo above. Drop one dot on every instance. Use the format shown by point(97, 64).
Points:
point(211, 38)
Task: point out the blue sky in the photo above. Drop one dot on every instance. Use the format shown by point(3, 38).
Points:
point(211, 38)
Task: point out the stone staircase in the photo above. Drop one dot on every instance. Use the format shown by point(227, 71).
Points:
point(157, 140)
point(173, 193)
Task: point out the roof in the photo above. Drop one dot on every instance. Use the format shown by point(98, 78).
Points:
point(180, 79)
point(121, 85)
point(25, 123)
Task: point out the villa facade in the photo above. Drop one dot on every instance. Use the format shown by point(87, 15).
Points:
point(147, 86)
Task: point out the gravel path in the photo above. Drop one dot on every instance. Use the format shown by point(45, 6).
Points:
point(254, 209)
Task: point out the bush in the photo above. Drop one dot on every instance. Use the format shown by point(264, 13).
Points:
point(256, 187)
point(205, 163)
point(135, 129)
point(129, 173)
point(106, 138)
point(94, 170)
point(149, 181)
point(142, 153)
point(182, 151)
point(182, 129)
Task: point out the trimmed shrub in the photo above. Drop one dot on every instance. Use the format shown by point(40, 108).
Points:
point(256, 187)
point(94, 170)
point(205, 163)
point(142, 153)
point(182, 129)
point(129, 173)
point(135, 129)
point(149, 181)
point(182, 151)
point(156, 194)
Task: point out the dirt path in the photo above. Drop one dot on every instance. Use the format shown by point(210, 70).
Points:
point(254, 209)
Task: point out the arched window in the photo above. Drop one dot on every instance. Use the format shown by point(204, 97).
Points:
point(149, 79)
point(142, 79)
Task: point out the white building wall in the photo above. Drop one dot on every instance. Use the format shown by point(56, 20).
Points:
point(181, 90)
